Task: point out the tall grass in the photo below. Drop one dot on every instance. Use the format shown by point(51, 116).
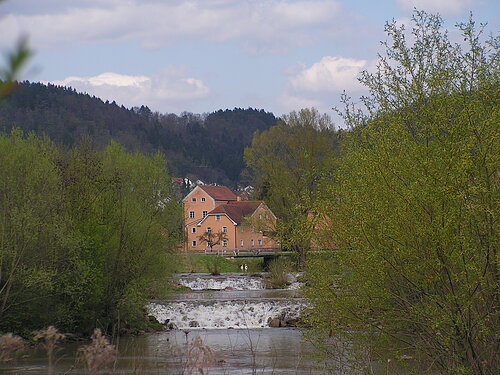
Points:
point(278, 274)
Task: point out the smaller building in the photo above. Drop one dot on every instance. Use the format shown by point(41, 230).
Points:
point(216, 209)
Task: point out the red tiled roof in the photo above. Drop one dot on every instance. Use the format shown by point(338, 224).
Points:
point(219, 193)
point(236, 210)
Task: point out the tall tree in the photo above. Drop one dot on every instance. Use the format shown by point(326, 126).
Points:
point(415, 206)
point(289, 162)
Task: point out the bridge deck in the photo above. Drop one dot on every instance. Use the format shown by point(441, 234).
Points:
point(237, 253)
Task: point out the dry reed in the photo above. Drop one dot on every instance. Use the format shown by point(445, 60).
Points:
point(99, 354)
point(10, 345)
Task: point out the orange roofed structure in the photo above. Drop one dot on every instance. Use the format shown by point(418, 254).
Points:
point(217, 209)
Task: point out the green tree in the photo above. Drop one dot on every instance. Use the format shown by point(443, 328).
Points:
point(289, 162)
point(29, 225)
point(415, 206)
point(83, 234)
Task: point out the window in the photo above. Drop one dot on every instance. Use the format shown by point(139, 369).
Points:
point(224, 229)
point(205, 213)
point(217, 217)
point(260, 216)
point(252, 243)
point(224, 243)
point(193, 199)
point(203, 199)
point(193, 243)
point(191, 214)
point(241, 243)
point(209, 229)
point(260, 242)
point(193, 230)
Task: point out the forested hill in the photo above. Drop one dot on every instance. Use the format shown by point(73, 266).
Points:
point(208, 146)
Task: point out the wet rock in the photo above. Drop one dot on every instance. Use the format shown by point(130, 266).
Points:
point(274, 322)
point(194, 323)
point(171, 326)
point(292, 322)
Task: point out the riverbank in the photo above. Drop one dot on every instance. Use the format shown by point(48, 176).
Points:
point(224, 330)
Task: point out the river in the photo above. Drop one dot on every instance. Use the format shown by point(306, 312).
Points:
point(221, 326)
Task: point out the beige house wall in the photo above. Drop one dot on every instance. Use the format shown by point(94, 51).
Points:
point(197, 206)
point(252, 228)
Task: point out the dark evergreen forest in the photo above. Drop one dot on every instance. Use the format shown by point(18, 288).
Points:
point(206, 146)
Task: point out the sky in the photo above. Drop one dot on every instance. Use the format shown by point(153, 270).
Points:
point(204, 55)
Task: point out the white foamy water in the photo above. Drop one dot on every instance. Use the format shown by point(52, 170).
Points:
point(225, 314)
point(220, 283)
point(231, 281)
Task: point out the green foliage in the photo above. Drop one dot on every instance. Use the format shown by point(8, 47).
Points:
point(209, 147)
point(83, 233)
point(415, 202)
point(200, 262)
point(15, 62)
point(289, 162)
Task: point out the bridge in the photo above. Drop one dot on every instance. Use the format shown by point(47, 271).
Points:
point(244, 253)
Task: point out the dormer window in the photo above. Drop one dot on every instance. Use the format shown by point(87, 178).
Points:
point(217, 217)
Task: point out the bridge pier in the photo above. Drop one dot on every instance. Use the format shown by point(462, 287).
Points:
point(267, 260)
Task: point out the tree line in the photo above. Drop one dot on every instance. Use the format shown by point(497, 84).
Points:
point(207, 146)
point(84, 234)
point(406, 200)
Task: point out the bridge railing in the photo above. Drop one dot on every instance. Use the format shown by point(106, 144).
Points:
point(236, 252)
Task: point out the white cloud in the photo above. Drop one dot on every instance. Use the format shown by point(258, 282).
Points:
point(260, 25)
point(168, 91)
point(329, 74)
point(444, 7)
point(289, 102)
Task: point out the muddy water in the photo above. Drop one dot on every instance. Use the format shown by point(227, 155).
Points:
point(222, 328)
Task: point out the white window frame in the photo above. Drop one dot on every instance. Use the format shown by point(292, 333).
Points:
point(224, 229)
point(224, 243)
point(203, 199)
point(193, 243)
point(252, 243)
point(209, 229)
point(217, 217)
point(193, 199)
point(193, 230)
point(191, 214)
point(205, 213)
point(259, 242)
point(242, 243)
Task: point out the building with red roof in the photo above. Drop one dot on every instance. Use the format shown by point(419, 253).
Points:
point(216, 209)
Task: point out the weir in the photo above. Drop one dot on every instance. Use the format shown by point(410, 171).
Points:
point(229, 301)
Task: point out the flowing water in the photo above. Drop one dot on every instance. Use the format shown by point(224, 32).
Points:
point(221, 326)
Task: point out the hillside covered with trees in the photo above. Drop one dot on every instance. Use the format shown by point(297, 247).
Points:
point(208, 146)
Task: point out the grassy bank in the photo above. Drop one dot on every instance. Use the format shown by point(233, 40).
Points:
point(208, 263)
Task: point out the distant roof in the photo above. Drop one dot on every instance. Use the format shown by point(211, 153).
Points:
point(219, 193)
point(236, 210)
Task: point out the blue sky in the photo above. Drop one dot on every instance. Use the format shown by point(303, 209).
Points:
point(205, 55)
